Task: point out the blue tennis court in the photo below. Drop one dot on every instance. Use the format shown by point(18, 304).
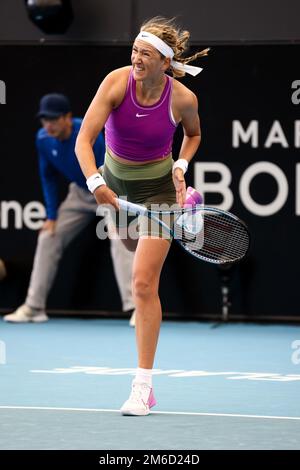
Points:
point(231, 387)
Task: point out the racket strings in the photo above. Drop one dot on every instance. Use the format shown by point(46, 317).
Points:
point(224, 236)
point(222, 240)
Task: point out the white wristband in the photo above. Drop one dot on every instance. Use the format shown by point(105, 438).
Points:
point(182, 164)
point(94, 181)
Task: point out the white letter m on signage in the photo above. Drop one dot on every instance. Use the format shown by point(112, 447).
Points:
point(245, 136)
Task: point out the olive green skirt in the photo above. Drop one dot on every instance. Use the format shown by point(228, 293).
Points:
point(150, 184)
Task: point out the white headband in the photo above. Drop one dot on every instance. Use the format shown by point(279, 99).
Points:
point(167, 51)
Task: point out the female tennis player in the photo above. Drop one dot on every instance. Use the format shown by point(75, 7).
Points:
point(141, 107)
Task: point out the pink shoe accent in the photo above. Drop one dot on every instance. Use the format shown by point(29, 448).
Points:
point(151, 400)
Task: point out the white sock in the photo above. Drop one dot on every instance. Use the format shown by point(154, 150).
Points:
point(144, 376)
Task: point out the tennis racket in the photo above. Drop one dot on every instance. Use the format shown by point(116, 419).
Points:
point(207, 233)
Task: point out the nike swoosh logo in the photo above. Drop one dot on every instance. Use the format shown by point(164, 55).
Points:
point(141, 115)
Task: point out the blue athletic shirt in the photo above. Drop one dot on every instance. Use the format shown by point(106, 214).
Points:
point(58, 157)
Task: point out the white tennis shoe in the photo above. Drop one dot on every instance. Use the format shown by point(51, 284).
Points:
point(132, 319)
point(140, 401)
point(25, 314)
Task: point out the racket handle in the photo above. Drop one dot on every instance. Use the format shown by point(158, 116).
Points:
point(192, 197)
point(131, 207)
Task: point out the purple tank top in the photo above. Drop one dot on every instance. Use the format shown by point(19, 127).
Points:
point(141, 133)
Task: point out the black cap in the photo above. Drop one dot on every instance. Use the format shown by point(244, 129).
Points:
point(53, 105)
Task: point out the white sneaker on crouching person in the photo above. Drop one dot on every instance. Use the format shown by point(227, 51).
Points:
point(26, 314)
point(132, 318)
point(140, 402)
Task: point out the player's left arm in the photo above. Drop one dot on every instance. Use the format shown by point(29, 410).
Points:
point(191, 127)
point(188, 106)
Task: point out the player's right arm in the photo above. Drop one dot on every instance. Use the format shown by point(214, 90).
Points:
point(109, 95)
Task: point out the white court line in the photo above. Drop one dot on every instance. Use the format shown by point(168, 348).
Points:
point(184, 413)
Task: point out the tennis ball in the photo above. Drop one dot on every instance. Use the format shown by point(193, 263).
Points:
point(192, 197)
